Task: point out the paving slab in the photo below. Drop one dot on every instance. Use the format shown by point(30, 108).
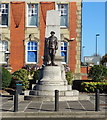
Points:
point(72, 109)
point(87, 105)
point(75, 106)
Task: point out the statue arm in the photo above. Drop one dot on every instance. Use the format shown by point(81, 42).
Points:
point(56, 44)
point(47, 43)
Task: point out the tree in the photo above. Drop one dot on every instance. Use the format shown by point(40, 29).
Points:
point(6, 78)
point(21, 75)
point(104, 59)
point(98, 73)
point(69, 77)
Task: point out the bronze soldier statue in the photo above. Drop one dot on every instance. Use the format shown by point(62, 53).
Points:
point(52, 46)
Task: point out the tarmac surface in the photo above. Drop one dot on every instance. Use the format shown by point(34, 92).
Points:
point(45, 110)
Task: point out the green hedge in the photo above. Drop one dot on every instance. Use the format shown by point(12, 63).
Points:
point(20, 75)
point(6, 78)
point(98, 73)
point(69, 77)
point(92, 86)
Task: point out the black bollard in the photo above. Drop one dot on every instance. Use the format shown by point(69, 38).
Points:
point(97, 100)
point(16, 101)
point(56, 100)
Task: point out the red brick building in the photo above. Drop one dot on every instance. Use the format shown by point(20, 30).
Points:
point(23, 32)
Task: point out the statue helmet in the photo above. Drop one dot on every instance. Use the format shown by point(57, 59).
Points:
point(52, 32)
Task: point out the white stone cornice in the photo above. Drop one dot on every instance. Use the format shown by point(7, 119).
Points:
point(31, 37)
point(64, 38)
point(3, 37)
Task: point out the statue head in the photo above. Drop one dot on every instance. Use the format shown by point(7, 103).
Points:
point(52, 33)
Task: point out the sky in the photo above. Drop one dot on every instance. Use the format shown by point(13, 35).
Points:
point(93, 22)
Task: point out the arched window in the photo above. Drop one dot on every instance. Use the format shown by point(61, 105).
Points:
point(3, 49)
point(64, 51)
point(32, 52)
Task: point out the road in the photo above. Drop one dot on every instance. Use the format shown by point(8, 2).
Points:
point(54, 119)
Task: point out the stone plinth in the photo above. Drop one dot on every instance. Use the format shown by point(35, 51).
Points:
point(52, 79)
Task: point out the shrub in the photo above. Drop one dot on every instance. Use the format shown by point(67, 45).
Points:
point(6, 78)
point(31, 68)
point(69, 77)
point(36, 75)
point(92, 86)
point(68, 74)
point(104, 59)
point(98, 73)
point(21, 75)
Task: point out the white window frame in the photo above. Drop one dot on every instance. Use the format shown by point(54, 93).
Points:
point(67, 15)
point(7, 16)
point(27, 15)
point(3, 50)
point(26, 54)
point(62, 42)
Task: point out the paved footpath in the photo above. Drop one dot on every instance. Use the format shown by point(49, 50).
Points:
point(67, 109)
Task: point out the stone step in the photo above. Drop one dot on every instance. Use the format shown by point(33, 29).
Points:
point(52, 93)
point(84, 97)
point(51, 98)
point(62, 98)
point(49, 95)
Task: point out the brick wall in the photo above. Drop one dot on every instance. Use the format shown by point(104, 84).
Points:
point(84, 71)
point(72, 29)
point(17, 35)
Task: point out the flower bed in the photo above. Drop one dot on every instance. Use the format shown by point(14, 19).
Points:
point(92, 86)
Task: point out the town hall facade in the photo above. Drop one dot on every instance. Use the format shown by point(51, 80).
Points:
point(23, 25)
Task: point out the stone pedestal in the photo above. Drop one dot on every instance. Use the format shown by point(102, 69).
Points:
point(52, 80)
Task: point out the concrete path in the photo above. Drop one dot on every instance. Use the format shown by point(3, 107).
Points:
point(75, 109)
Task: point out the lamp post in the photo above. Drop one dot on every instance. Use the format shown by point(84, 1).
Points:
point(7, 54)
point(83, 53)
point(96, 42)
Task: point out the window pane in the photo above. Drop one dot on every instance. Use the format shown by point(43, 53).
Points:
point(32, 14)
point(63, 21)
point(64, 51)
point(32, 20)
point(63, 8)
point(61, 48)
point(32, 51)
point(29, 43)
point(6, 5)
point(4, 14)
point(32, 56)
point(31, 48)
point(35, 48)
point(65, 48)
point(65, 44)
point(28, 47)
point(64, 54)
point(4, 19)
